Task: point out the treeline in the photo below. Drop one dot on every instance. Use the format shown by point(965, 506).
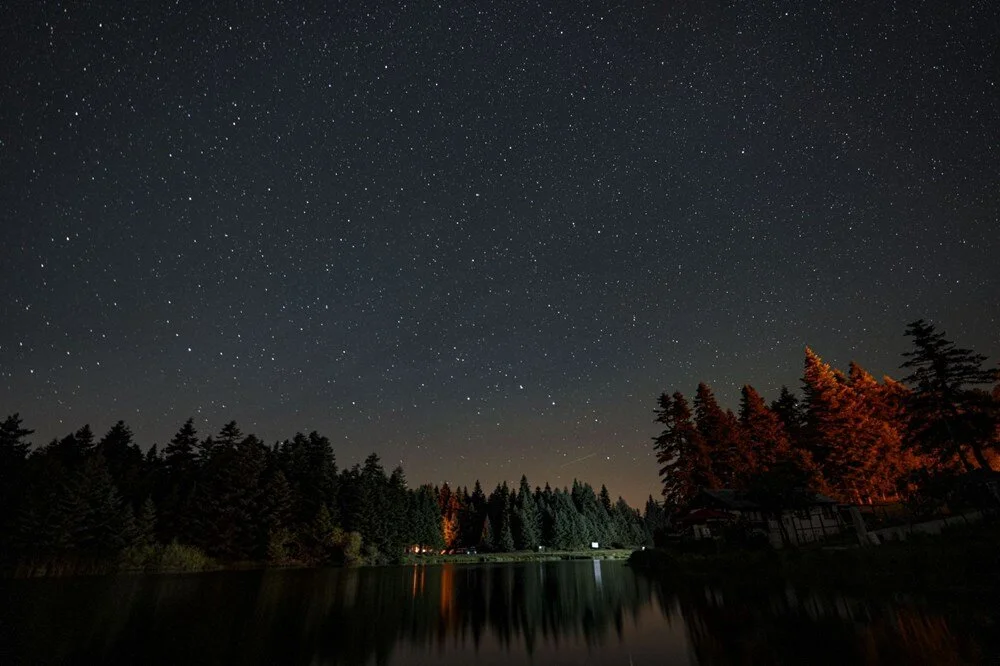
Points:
point(851, 436)
point(79, 504)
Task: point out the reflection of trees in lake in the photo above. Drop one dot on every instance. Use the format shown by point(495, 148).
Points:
point(335, 616)
point(756, 624)
point(453, 605)
point(358, 616)
point(529, 603)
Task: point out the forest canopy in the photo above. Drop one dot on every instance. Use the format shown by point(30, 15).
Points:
point(80, 502)
point(850, 436)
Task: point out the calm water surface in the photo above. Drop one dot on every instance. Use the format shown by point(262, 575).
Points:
point(536, 613)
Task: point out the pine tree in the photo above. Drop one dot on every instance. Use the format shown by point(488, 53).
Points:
point(395, 514)
point(605, 499)
point(94, 519)
point(822, 401)
point(227, 503)
point(124, 460)
point(949, 420)
point(596, 521)
point(310, 467)
point(145, 524)
point(319, 485)
point(174, 495)
point(276, 505)
point(763, 431)
point(13, 446)
point(685, 466)
point(527, 523)
point(504, 542)
point(720, 432)
point(374, 496)
point(424, 519)
point(229, 436)
point(846, 435)
point(450, 515)
point(181, 453)
point(880, 406)
point(472, 529)
point(487, 539)
point(13, 465)
point(656, 519)
point(318, 536)
point(72, 450)
point(792, 415)
point(571, 528)
point(631, 528)
point(500, 519)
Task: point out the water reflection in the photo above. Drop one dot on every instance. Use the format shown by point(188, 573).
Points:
point(552, 613)
point(746, 624)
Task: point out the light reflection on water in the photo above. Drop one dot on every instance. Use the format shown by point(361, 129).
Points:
point(546, 613)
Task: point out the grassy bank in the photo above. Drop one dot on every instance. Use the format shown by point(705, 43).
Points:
point(155, 559)
point(963, 558)
point(520, 556)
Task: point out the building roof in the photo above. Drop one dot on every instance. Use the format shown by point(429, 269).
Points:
point(704, 515)
point(737, 499)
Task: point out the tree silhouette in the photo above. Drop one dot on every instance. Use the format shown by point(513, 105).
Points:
point(948, 419)
point(527, 523)
point(681, 452)
point(238, 500)
point(14, 449)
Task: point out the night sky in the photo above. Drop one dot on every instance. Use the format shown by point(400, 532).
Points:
point(479, 238)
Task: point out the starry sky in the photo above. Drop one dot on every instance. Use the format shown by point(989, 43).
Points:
point(479, 238)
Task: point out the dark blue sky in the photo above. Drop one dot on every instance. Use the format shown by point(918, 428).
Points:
point(480, 238)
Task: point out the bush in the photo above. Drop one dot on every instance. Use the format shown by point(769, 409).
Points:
point(347, 548)
point(280, 547)
point(171, 557)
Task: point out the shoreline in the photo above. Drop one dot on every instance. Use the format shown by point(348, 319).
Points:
point(53, 570)
point(964, 560)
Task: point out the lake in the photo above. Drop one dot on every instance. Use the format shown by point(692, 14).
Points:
point(571, 612)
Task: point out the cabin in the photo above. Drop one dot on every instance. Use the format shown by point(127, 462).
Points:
point(815, 517)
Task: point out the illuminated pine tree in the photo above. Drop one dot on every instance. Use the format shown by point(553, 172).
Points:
point(763, 431)
point(721, 434)
point(888, 463)
point(450, 520)
point(854, 447)
point(681, 453)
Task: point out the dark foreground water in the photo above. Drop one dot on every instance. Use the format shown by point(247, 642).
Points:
point(537, 613)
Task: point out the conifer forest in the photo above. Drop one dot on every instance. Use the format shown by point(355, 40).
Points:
point(81, 502)
point(850, 436)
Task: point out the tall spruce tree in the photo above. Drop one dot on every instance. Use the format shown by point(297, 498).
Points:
point(720, 432)
point(425, 518)
point(847, 436)
point(472, 530)
point(227, 506)
point(887, 463)
point(792, 415)
point(180, 455)
point(657, 520)
point(681, 453)
point(124, 460)
point(949, 420)
point(14, 449)
point(527, 524)
point(763, 431)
